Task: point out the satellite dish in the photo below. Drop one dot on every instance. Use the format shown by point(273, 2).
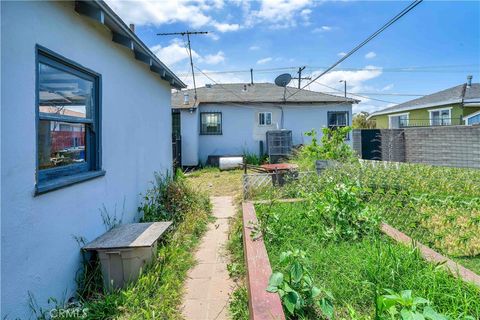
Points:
point(283, 79)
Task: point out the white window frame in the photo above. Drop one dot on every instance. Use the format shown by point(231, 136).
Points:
point(265, 119)
point(449, 109)
point(470, 116)
point(390, 116)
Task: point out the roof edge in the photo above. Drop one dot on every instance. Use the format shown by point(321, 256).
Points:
point(421, 106)
point(141, 51)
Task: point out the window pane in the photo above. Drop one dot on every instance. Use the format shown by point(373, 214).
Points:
point(269, 118)
point(261, 118)
point(474, 120)
point(211, 123)
point(63, 93)
point(336, 119)
point(60, 144)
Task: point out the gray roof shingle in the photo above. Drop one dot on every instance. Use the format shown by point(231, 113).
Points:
point(448, 96)
point(241, 93)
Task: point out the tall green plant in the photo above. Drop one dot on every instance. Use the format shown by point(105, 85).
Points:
point(300, 297)
point(404, 306)
point(332, 146)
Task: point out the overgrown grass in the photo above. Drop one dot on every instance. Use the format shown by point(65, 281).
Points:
point(356, 271)
point(216, 182)
point(437, 206)
point(158, 292)
point(238, 306)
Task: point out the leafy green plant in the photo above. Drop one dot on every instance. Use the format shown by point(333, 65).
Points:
point(238, 306)
point(404, 306)
point(331, 147)
point(300, 297)
point(169, 199)
point(254, 159)
point(342, 212)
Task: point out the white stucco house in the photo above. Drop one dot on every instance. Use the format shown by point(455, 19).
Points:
point(232, 119)
point(85, 122)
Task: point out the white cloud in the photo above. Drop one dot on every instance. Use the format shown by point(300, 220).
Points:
point(281, 13)
point(370, 55)
point(322, 29)
point(201, 79)
point(173, 53)
point(214, 58)
point(387, 87)
point(226, 27)
point(341, 54)
point(356, 82)
point(253, 48)
point(176, 52)
point(264, 60)
point(193, 13)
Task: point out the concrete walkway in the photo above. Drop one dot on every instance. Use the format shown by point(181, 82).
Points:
point(208, 286)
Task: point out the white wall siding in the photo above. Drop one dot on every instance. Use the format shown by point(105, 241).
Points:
point(189, 123)
point(241, 132)
point(38, 251)
point(301, 119)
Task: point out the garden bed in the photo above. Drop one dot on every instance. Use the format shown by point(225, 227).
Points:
point(357, 270)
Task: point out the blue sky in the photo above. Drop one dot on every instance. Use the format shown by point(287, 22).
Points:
point(438, 41)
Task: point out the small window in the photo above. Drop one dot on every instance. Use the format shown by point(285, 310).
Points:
point(210, 123)
point(440, 117)
point(473, 119)
point(337, 119)
point(68, 130)
point(399, 121)
point(265, 118)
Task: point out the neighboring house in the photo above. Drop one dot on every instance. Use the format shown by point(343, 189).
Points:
point(232, 119)
point(459, 105)
point(85, 123)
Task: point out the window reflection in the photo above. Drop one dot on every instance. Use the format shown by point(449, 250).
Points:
point(63, 93)
point(60, 144)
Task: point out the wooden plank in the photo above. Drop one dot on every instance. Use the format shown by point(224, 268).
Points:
point(142, 57)
point(121, 39)
point(432, 256)
point(84, 8)
point(263, 305)
point(131, 235)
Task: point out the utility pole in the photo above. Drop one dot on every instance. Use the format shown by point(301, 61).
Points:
point(300, 76)
point(251, 76)
point(344, 87)
point(187, 33)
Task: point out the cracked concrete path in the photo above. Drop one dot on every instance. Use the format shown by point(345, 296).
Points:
point(208, 287)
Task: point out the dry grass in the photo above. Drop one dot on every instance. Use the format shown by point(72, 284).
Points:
point(216, 182)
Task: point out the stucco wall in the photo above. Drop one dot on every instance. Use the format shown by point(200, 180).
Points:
point(189, 123)
point(38, 251)
point(241, 132)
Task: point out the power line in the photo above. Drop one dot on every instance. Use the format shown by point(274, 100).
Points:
point(372, 36)
point(353, 94)
point(425, 69)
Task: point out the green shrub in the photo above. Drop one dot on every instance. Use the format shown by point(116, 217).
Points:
point(300, 297)
point(341, 213)
point(331, 147)
point(170, 198)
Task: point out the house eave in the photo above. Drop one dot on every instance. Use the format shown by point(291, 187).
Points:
point(99, 11)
